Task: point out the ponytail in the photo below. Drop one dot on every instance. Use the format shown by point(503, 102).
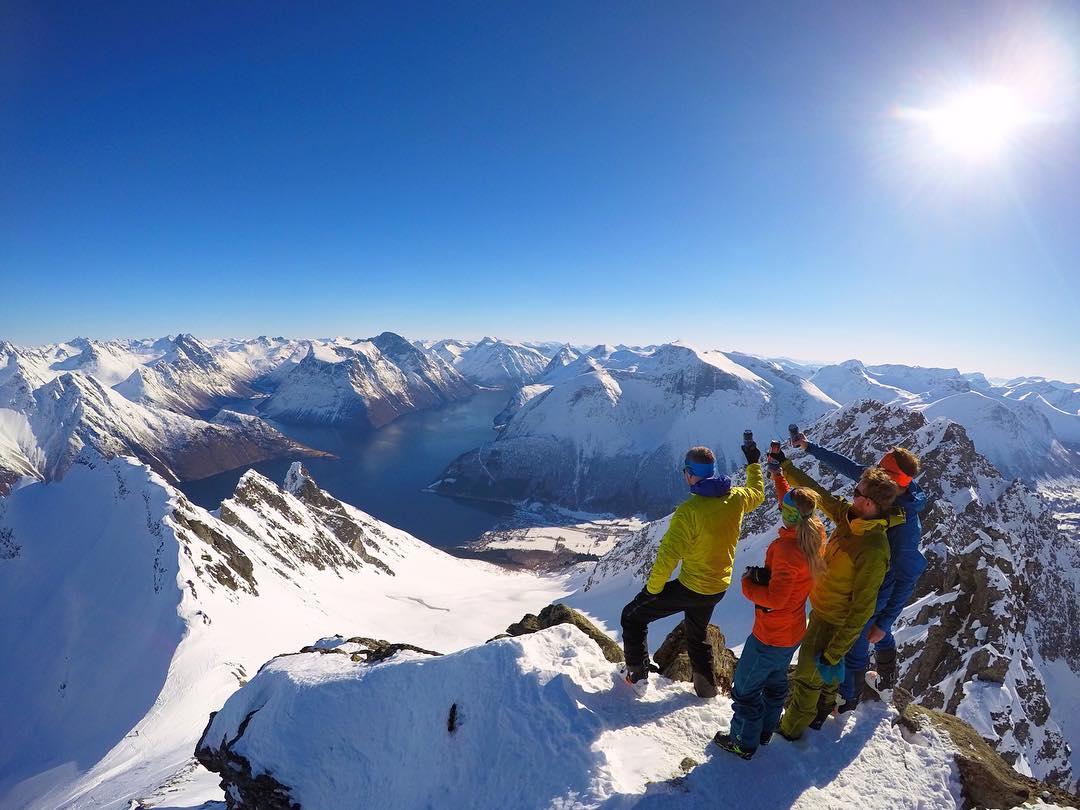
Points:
point(809, 531)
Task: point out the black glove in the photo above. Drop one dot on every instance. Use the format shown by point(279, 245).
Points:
point(753, 455)
point(759, 575)
point(775, 459)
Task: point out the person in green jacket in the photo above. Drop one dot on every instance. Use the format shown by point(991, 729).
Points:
point(856, 558)
point(703, 533)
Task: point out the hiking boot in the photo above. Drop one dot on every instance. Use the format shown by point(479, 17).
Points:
point(704, 686)
point(765, 738)
point(823, 712)
point(726, 742)
point(637, 677)
point(886, 668)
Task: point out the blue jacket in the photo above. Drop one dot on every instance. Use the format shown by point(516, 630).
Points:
point(906, 562)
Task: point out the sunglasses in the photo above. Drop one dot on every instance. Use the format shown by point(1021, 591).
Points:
point(860, 494)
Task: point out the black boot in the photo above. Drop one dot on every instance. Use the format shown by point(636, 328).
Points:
point(851, 703)
point(824, 709)
point(704, 685)
point(886, 668)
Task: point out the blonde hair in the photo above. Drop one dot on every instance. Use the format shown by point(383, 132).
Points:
point(809, 533)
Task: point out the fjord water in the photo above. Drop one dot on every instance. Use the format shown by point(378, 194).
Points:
point(383, 472)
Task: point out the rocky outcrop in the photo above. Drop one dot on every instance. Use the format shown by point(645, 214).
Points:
point(986, 779)
point(243, 788)
point(674, 661)
point(561, 614)
point(999, 597)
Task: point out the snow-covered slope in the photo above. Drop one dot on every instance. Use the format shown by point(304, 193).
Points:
point(188, 378)
point(366, 382)
point(496, 363)
point(543, 721)
point(501, 364)
point(130, 613)
point(1029, 427)
point(993, 633)
point(611, 437)
point(1064, 396)
point(75, 411)
point(566, 355)
point(1028, 438)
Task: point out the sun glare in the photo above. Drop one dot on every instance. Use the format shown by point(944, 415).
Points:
point(978, 124)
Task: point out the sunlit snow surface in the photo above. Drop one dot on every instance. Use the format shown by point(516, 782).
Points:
point(544, 721)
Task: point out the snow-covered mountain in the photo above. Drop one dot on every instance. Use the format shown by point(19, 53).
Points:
point(1028, 427)
point(611, 437)
point(1062, 395)
point(130, 614)
point(73, 412)
point(562, 358)
point(187, 378)
point(365, 382)
point(993, 633)
point(493, 363)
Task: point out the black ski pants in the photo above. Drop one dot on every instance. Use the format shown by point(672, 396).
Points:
point(647, 608)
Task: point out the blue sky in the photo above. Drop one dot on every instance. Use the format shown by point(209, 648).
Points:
point(728, 174)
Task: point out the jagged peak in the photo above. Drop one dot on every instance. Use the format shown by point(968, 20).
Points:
point(297, 478)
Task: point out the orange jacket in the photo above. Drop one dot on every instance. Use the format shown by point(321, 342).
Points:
point(784, 623)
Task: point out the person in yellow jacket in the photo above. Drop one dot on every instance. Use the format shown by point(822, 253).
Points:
point(703, 533)
point(856, 559)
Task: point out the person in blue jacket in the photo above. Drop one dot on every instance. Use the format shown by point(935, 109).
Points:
point(905, 566)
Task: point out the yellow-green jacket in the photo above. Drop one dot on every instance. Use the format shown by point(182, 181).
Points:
point(703, 534)
point(856, 559)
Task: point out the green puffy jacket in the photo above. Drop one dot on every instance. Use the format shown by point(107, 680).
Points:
point(856, 558)
point(703, 534)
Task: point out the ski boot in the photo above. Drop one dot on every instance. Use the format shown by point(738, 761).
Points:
point(725, 742)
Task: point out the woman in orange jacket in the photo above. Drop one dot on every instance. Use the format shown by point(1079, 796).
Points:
point(779, 591)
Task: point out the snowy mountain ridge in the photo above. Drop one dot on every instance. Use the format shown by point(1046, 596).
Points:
point(611, 437)
point(187, 605)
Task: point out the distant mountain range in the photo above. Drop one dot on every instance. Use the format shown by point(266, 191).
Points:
point(605, 429)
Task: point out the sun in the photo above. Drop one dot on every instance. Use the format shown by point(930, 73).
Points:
point(978, 124)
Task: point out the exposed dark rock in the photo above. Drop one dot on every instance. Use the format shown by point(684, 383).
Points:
point(987, 779)
point(243, 791)
point(674, 661)
point(9, 549)
point(236, 571)
point(561, 614)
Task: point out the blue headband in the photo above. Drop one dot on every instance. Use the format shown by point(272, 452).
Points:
point(699, 469)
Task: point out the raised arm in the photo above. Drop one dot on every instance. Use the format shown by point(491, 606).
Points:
point(831, 505)
point(781, 485)
point(672, 548)
point(835, 461)
point(753, 494)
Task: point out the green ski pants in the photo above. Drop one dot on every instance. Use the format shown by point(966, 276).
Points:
point(807, 687)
